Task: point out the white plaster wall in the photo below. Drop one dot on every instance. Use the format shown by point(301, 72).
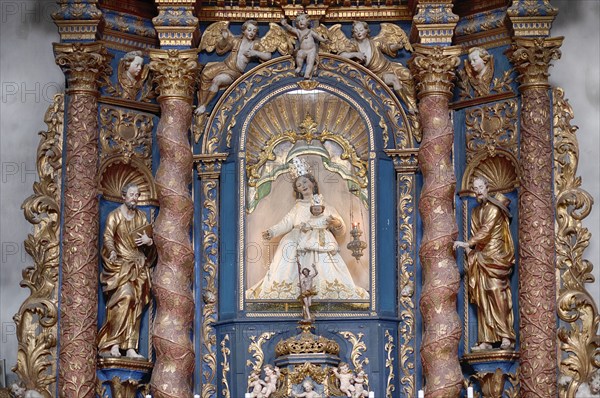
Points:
point(29, 78)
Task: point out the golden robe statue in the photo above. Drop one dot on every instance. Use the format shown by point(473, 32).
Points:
point(491, 256)
point(125, 277)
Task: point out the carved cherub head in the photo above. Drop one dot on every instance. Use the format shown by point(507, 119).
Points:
point(360, 30)
point(478, 59)
point(132, 64)
point(250, 29)
point(302, 20)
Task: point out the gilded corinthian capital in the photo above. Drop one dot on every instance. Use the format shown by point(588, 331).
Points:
point(532, 57)
point(434, 69)
point(84, 65)
point(175, 73)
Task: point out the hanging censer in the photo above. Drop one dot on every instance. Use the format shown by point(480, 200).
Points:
point(356, 246)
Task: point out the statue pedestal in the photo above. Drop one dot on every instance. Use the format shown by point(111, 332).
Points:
point(125, 377)
point(494, 371)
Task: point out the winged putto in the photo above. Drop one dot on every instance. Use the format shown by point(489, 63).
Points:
point(242, 49)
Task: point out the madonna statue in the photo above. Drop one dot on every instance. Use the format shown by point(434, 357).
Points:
point(309, 233)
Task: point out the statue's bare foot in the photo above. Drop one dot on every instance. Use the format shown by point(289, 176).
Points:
point(482, 347)
point(506, 344)
point(200, 110)
point(298, 71)
point(114, 351)
point(132, 354)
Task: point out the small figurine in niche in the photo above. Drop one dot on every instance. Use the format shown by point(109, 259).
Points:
point(132, 74)
point(271, 376)
point(491, 256)
point(218, 75)
point(127, 253)
point(346, 378)
point(480, 70)
point(309, 391)
point(359, 385)
point(307, 46)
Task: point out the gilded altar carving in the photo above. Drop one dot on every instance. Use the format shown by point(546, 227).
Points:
point(175, 23)
point(255, 348)
point(580, 342)
point(126, 134)
point(217, 76)
point(175, 73)
point(389, 364)
point(84, 66)
point(491, 127)
point(358, 349)
point(434, 70)
point(370, 52)
point(132, 79)
point(225, 351)
point(476, 79)
point(434, 22)
point(531, 17)
point(127, 388)
point(490, 256)
point(37, 318)
point(492, 384)
point(537, 271)
point(77, 20)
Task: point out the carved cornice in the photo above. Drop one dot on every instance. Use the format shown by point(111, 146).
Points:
point(434, 69)
point(175, 73)
point(405, 160)
point(175, 23)
point(532, 17)
point(209, 166)
point(84, 65)
point(531, 58)
point(434, 22)
point(77, 19)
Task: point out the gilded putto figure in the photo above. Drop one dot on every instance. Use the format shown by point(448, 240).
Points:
point(219, 75)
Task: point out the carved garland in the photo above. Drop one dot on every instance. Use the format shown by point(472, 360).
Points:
point(580, 343)
point(37, 317)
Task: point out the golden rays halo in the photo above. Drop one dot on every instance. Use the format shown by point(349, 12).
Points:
point(304, 122)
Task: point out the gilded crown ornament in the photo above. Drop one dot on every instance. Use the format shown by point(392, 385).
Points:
point(306, 343)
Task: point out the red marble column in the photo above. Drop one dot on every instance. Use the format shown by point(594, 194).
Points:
point(175, 74)
point(537, 279)
point(433, 68)
point(83, 65)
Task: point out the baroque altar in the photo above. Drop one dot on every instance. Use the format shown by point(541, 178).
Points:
point(307, 199)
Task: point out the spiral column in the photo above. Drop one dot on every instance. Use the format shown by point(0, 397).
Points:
point(83, 65)
point(175, 75)
point(433, 69)
point(537, 278)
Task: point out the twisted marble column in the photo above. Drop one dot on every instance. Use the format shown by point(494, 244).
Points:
point(433, 68)
point(175, 75)
point(537, 280)
point(83, 65)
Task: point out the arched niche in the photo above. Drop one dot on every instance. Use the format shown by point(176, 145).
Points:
point(343, 122)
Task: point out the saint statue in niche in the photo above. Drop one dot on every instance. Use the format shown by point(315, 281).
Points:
point(308, 239)
point(491, 255)
point(127, 252)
